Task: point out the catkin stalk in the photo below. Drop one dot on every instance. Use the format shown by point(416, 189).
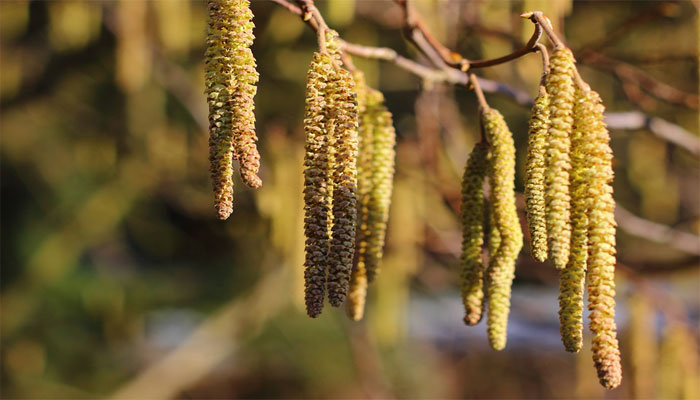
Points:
point(534, 180)
point(601, 246)
point(472, 210)
point(501, 271)
point(560, 87)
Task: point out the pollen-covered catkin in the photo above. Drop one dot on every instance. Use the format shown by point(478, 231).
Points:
point(220, 83)
point(472, 213)
point(316, 170)
point(501, 270)
point(534, 180)
point(343, 113)
point(572, 278)
point(601, 245)
point(560, 87)
point(243, 102)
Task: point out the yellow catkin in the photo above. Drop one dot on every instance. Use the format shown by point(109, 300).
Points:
point(572, 278)
point(472, 212)
point(243, 103)
point(501, 270)
point(382, 180)
point(560, 87)
point(375, 183)
point(316, 205)
point(357, 292)
point(220, 87)
point(601, 246)
point(534, 180)
point(343, 113)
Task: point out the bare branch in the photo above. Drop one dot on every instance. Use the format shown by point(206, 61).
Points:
point(655, 232)
point(665, 130)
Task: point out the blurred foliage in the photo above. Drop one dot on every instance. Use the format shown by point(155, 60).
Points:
point(112, 255)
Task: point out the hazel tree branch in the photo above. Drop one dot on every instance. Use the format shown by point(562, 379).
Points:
point(621, 121)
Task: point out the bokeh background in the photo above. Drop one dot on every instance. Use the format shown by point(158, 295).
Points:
point(118, 280)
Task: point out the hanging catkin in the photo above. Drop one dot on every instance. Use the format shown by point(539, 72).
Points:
point(560, 88)
point(383, 159)
point(220, 84)
point(316, 205)
point(472, 212)
point(357, 293)
point(534, 180)
point(377, 139)
point(501, 270)
point(342, 111)
point(601, 244)
point(243, 103)
point(572, 278)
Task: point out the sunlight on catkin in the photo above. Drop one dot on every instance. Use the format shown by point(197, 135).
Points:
point(560, 88)
point(472, 213)
point(501, 270)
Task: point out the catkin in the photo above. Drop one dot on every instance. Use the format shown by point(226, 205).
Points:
point(357, 293)
point(534, 180)
point(375, 167)
point(343, 114)
point(472, 210)
point(316, 170)
point(220, 84)
point(246, 79)
point(501, 270)
point(560, 87)
point(601, 245)
point(383, 159)
point(572, 278)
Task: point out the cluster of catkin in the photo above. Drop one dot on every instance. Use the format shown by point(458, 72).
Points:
point(348, 172)
point(231, 78)
point(570, 210)
point(493, 160)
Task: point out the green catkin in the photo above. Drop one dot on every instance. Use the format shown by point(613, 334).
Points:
point(220, 87)
point(501, 270)
point(246, 79)
point(534, 181)
point(472, 212)
point(601, 245)
point(572, 278)
point(383, 166)
point(316, 168)
point(560, 87)
point(343, 112)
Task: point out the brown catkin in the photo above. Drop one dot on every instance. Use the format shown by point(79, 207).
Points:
point(246, 79)
point(501, 270)
point(472, 213)
point(560, 87)
point(601, 245)
point(535, 172)
point(220, 87)
point(572, 278)
point(316, 170)
point(343, 113)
